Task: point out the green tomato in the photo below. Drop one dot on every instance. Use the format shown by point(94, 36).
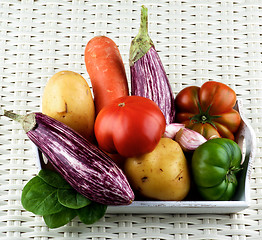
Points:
point(214, 167)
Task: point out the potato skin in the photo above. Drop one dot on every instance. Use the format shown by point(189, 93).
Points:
point(162, 174)
point(67, 97)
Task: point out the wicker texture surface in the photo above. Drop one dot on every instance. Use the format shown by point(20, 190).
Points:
point(197, 41)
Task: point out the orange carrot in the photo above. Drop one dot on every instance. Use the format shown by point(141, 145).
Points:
point(106, 70)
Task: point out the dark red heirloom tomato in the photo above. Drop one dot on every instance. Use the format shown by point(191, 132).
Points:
point(208, 110)
point(130, 126)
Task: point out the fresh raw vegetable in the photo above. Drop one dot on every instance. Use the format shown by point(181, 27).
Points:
point(130, 126)
point(148, 77)
point(208, 109)
point(189, 140)
point(72, 199)
point(59, 219)
point(51, 202)
point(162, 174)
point(84, 166)
point(106, 70)
point(172, 129)
point(91, 213)
point(68, 98)
point(214, 167)
point(53, 179)
point(40, 198)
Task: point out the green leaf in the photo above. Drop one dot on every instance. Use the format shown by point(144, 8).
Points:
point(50, 196)
point(72, 199)
point(60, 219)
point(91, 213)
point(54, 179)
point(40, 198)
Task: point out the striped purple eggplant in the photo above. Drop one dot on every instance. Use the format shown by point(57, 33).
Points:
point(83, 165)
point(148, 76)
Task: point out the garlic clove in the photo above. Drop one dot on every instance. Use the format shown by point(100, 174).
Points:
point(214, 136)
point(172, 129)
point(189, 139)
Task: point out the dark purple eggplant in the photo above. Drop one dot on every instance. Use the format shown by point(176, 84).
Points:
point(148, 76)
point(83, 165)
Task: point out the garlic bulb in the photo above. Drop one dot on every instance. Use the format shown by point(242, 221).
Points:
point(172, 129)
point(189, 139)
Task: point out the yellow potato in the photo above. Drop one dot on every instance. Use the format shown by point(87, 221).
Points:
point(68, 98)
point(162, 174)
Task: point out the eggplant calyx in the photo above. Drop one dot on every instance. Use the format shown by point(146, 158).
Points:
point(28, 121)
point(142, 42)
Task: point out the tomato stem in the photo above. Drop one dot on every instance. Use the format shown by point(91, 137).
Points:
point(121, 104)
point(204, 116)
point(231, 174)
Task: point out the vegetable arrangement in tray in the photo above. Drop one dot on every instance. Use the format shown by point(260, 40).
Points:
point(113, 147)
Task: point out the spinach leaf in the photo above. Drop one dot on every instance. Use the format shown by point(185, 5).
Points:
point(60, 219)
point(91, 213)
point(50, 196)
point(40, 198)
point(54, 179)
point(72, 199)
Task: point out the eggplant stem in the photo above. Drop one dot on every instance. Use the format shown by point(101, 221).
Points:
point(143, 30)
point(28, 121)
point(142, 42)
point(14, 116)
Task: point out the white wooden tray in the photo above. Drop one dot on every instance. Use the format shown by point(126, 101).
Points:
point(247, 141)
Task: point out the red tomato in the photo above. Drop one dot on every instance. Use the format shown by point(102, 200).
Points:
point(208, 110)
point(130, 126)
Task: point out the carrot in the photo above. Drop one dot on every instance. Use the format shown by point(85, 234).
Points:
point(106, 70)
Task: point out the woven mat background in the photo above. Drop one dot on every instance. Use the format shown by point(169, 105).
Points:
point(197, 41)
